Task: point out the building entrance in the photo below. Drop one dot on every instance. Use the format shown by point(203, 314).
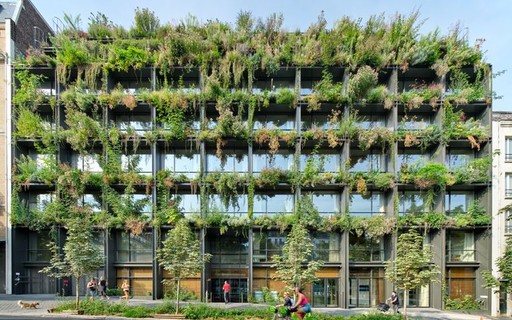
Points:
point(238, 290)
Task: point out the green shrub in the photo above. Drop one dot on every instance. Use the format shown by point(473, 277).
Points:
point(466, 303)
point(137, 312)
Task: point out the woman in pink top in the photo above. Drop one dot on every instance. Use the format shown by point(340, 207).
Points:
point(301, 305)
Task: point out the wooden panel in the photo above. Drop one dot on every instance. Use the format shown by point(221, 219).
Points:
point(328, 273)
point(141, 287)
point(142, 272)
point(462, 273)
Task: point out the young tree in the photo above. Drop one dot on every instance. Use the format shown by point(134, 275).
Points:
point(295, 267)
point(79, 256)
point(181, 255)
point(504, 265)
point(412, 267)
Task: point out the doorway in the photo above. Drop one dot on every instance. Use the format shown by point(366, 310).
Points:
point(238, 290)
point(359, 293)
point(325, 293)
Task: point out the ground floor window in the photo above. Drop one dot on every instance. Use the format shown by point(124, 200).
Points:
point(366, 287)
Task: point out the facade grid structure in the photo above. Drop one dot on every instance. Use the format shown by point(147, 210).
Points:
point(137, 145)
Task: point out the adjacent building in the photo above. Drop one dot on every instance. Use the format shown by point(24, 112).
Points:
point(21, 27)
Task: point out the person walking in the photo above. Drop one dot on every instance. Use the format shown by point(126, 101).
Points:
point(102, 288)
point(395, 303)
point(301, 305)
point(91, 288)
point(126, 291)
point(226, 288)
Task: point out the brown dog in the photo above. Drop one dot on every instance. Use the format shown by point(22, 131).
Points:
point(28, 305)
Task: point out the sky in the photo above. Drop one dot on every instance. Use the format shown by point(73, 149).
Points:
point(481, 19)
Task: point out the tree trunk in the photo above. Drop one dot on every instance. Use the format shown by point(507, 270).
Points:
point(405, 302)
point(77, 299)
point(177, 296)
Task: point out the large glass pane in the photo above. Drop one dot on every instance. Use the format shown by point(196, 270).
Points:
point(366, 162)
point(365, 205)
point(412, 202)
point(326, 247)
point(326, 204)
point(461, 246)
point(457, 202)
point(240, 208)
point(271, 204)
point(230, 162)
point(183, 162)
point(141, 163)
point(277, 161)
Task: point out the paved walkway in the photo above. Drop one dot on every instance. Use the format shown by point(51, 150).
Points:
point(8, 306)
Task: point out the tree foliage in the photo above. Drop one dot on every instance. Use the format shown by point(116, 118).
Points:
point(181, 255)
point(504, 265)
point(294, 267)
point(412, 267)
point(79, 257)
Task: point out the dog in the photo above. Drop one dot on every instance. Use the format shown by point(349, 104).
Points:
point(28, 305)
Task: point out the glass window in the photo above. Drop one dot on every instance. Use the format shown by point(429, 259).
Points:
point(230, 162)
point(371, 121)
point(508, 185)
point(407, 159)
point(134, 248)
point(411, 202)
point(326, 247)
point(508, 222)
point(327, 204)
point(40, 201)
point(38, 246)
point(189, 203)
point(457, 159)
point(141, 163)
point(181, 161)
point(364, 248)
point(366, 205)
point(315, 122)
point(42, 160)
point(272, 204)
point(508, 149)
point(87, 162)
point(241, 207)
point(281, 122)
point(457, 202)
point(267, 244)
point(325, 162)
point(366, 162)
point(266, 161)
point(92, 201)
point(137, 122)
point(414, 122)
point(228, 249)
point(460, 246)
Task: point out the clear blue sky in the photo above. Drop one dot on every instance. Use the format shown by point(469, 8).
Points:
point(486, 19)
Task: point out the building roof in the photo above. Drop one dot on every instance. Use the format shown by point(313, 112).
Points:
point(501, 116)
point(7, 10)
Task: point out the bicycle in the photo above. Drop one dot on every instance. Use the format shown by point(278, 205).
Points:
point(281, 313)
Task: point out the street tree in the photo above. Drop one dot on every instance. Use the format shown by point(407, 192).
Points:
point(296, 266)
point(181, 255)
point(412, 267)
point(79, 256)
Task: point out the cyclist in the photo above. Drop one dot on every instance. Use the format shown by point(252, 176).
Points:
point(302, 305)
point(288, 303)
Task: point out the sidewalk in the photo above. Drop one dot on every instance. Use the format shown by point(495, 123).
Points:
point(8, 306)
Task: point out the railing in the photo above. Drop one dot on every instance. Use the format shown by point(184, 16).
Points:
point(508, 192)
point(460, 255)
point(508, 157)
point(366, 255)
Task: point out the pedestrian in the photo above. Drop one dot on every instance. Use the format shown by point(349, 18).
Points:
point(395, 303)
point(91, 288)
point(301, 305)
point(126, 291)
point(226, 288)
point(102, 288)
